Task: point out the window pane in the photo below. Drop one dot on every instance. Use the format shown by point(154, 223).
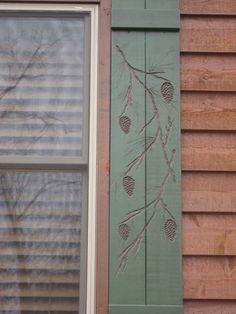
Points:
point(40, 230)
point(42, 85)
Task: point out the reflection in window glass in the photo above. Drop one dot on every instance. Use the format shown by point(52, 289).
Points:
point(40, 219)
point(41, 85)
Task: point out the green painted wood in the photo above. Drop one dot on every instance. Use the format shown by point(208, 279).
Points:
point(164, 273)
point(145, 228)
point(145, 309)
point(163, 4)
point(145, 19)
point(128, 4)
point(127, 189)
point(163, 170)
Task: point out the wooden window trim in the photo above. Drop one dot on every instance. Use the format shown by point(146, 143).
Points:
point(103, 157)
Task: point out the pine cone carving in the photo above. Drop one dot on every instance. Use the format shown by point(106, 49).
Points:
point(129, 185)
point(170, 228)
point(125, 124)
point(167, 91)
point(124, 231)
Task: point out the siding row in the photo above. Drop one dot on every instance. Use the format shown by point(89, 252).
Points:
point(208, 90)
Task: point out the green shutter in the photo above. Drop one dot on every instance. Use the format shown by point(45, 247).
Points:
point(145, 210)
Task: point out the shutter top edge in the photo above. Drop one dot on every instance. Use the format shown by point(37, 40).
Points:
point(145, 19)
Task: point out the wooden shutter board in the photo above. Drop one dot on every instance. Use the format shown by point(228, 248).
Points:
point(137, 70)
point(145, 19)
point(147, 309)
point(122, 202)
point(160, 288)
point(163, 254)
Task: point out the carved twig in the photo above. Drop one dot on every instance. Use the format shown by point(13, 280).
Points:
point(128, 99)
point(165, 208)
point(134, 245)
point(161, 136)
point(168, 130)
point(156, 116)
point(136, 162)
point(155, 202)
point(153, 73)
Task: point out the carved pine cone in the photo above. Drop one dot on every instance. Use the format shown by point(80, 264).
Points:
point(129, 185)
point(167, 91)
point(125, 124)
point(124, 231)
point(170, 228)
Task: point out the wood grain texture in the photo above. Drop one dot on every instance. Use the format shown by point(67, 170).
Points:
point(208, 72)
point(163, 264)
point(125, 287)
point(206, 151)
point(208, 34)
point(210, 278)
point(206, 7)
point(207, 234)
point(103, 159)
point(210, 192)
point(208, 111)
point(208, 96)
point(210, 307)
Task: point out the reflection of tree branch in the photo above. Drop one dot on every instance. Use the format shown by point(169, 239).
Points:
point(49, 121)
point(33, 59)
point(24, 68)
point(46, 187)
point(14, 192)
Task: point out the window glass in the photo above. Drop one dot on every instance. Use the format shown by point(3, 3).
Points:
point(44, 105)
point(42, 85)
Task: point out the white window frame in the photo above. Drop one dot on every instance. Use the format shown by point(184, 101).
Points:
point(93, 11)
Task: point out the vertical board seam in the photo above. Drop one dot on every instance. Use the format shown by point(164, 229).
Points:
point(145, 165)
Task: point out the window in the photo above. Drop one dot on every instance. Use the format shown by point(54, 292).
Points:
point(48, 94)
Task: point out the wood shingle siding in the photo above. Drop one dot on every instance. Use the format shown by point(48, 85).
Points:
point(208, 95)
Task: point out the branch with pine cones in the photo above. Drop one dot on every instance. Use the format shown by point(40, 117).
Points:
point(161, 138)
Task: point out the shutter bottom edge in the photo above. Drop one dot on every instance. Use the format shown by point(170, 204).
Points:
point(145, 309)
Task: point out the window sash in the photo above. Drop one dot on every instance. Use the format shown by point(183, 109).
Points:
point(59, 163)
point(32, 10)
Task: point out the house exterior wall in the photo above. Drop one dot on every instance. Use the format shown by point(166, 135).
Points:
point(208, 85)
point(208, 73)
